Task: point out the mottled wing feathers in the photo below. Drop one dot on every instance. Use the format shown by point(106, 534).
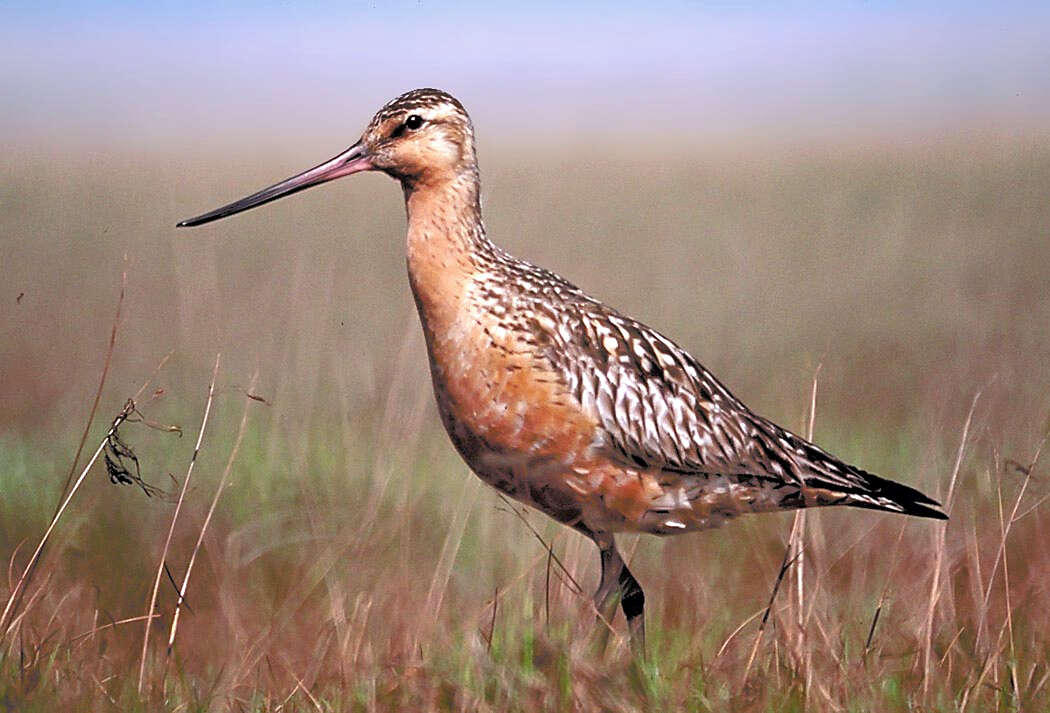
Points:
point(660, 409)
point(821, 471)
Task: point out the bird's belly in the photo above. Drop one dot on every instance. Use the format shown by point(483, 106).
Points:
point(687, 503)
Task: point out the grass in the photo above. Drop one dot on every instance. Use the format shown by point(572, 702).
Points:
point(352, 563)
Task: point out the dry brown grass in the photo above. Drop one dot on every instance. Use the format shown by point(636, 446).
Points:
point(352, 563)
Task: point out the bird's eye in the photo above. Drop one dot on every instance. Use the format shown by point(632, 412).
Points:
point(413, 122)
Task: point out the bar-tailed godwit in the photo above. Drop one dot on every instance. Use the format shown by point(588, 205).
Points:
point(557, 399)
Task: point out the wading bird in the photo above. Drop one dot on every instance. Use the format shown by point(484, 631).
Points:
point(560, 401)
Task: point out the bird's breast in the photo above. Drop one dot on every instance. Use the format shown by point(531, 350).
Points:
point(496, 388)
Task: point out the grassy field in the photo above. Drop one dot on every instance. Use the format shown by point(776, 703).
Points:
point(353, 563)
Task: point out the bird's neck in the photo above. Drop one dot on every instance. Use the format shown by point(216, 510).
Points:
point(447, 245)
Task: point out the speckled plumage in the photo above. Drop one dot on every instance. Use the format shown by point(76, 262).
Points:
point(662, 446)
point(559, 400)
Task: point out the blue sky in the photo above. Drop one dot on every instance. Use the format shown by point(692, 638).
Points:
point(119, 69)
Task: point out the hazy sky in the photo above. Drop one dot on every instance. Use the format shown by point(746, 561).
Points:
point(122, 71)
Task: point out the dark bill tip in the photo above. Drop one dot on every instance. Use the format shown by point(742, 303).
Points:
point(353, 160)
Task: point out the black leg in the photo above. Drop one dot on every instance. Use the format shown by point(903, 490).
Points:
point(632, 601)
point(619, 585)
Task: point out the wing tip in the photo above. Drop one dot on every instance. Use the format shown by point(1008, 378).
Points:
point(933, 510)
point(896, 497)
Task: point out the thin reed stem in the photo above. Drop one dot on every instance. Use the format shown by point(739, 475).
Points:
point(174, 520)
point(211, 511)
point(935, 583)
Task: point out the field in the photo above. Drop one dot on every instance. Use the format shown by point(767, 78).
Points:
point(353, 563)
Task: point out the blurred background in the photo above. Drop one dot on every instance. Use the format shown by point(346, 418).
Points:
point(771, 185)
point(857, 188)
point(137, 75)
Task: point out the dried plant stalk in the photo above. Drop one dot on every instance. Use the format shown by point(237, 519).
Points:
point(174, 520)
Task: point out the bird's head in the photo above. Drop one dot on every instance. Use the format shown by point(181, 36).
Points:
point(423, 137)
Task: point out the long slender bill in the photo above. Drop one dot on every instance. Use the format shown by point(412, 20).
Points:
point(353, 160)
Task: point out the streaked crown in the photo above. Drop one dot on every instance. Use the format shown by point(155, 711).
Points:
point(422, 136)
